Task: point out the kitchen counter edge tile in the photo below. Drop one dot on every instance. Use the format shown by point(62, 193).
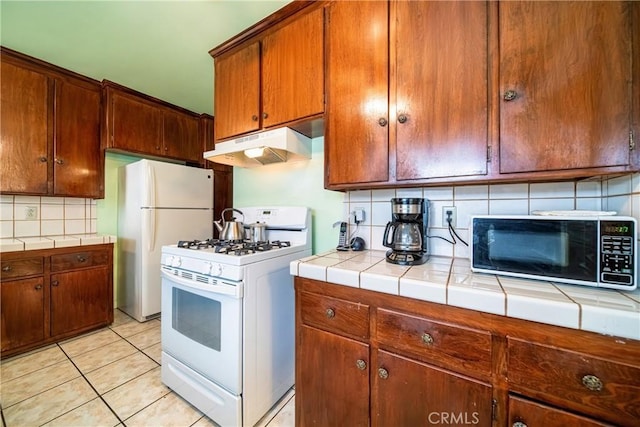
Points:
point(450, 281)
point(49, 242)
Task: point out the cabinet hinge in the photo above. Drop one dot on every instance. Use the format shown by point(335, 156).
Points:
point(488, 154)
point(632, 143)
point(494, 406)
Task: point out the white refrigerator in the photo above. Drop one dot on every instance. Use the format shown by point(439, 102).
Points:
point(158, 204)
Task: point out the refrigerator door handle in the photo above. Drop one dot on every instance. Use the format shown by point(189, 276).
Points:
point(152, 229)
point(151, 181)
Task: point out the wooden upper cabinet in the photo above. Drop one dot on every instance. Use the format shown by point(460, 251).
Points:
point(50, 130)
point(565, 85)
point(292, 70)
point(237, 92)
point(277, 78)
point(134, 125)
point(424, 119)
point(441, 89)
point(24, 128)
point(357, 115)
point(76, 151)
point(181, 136)
point(143, 125)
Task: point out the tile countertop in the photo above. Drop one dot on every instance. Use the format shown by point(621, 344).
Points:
point(450, 281)
point(48, 242)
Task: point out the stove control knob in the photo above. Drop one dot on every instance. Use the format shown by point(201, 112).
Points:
point(206, 268)
point(216, 270)
point(176, 261)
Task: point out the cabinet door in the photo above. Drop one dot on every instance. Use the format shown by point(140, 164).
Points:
point(357, 115)
point(533, 414)
point(135, 125)
point(409, 393)
point(332, 386)
point(293, 70)
point(78, 169)
point(180, 136)
point(237, 92)
point(568, 67)
point(441, 89)
point(22, 310)
point(80, 299)
point(24, 129)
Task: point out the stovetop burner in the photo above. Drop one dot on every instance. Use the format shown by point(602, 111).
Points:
point(233, 247)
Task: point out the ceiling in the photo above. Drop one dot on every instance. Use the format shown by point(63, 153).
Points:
point(156, 47)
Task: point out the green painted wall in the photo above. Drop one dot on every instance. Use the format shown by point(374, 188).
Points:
point(297, 183)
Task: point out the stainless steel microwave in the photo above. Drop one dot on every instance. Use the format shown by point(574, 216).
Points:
point(583, 250)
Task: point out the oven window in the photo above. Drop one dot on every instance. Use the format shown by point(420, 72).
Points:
point(197, 318)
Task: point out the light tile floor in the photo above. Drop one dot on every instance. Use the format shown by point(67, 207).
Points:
point(110, 377)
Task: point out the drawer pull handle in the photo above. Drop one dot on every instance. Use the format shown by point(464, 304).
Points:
point(361, 364)
point(55, 283)
point(592, 382)
point(330, 313)
point(38, 287)
point(81, 258)
point(6, 268)
point(383, 373)
point(519, 424)
point(427, 339)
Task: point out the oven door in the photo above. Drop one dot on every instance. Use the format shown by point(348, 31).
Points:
point(202, 328)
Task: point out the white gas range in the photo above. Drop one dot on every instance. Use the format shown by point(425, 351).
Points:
point(228, 317)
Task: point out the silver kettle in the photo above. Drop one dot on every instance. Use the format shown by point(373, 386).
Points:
point(232, 229)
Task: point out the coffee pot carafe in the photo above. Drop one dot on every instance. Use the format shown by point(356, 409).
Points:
point(406, 233)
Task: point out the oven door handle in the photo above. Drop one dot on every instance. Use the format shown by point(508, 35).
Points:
point(234, 291)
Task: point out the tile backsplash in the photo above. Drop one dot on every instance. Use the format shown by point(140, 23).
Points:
point(32, 216)
point(620, 194)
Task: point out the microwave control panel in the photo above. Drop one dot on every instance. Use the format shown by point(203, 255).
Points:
point(617, 252)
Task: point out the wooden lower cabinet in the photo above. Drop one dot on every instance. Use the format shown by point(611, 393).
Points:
point(332, 386)
point(533, 414)
point(88, 286)
point(368, 358)
point(53, 294)
point(22, 307)
point(406, 392)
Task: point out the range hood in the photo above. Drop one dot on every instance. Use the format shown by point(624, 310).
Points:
point(272, 146)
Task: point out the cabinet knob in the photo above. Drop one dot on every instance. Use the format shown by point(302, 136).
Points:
point(157, 147)
point(6, 268)
point(166, 148)
point(254, 118)
point(361, 364)
point(265, 115)
point(383, 373)
point(592, 382)
point(382, 121)
point(519, 424)
point(55, 283)
point(402, 118)
point(427, 338)
point(38, 287)
point(59, 161)
point(510, 95)
point(330, 313)
point(81, 258)
point(43, 159)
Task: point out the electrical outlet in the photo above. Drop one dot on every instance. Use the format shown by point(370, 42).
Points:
point(448, 211)
point(358, 215)
point(31, 212)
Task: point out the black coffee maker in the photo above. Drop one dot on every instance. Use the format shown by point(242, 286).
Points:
point(406, 234)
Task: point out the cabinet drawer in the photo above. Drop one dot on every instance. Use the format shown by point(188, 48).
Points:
point(445, 345)
point(22, 267)
point(535, 414)
point(79, 260)
point(335, 315)
point(576, 381)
